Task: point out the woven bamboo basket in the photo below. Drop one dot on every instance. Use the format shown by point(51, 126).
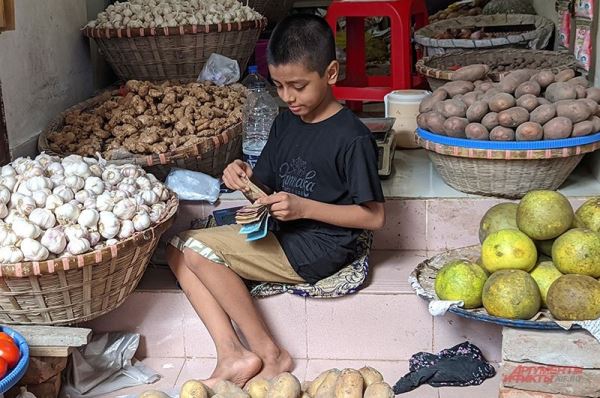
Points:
point(437, 67)
point(174, 53)
point(422, 280)
point(79, 288)
point(210, 156)
point(537, 38)
point(503, 173)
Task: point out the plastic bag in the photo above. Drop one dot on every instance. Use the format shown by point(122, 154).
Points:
point(583, 44)
point(104, 365)
point(193, 185)
point(220, 70)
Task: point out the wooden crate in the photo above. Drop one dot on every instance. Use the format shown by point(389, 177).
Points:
point(549, 364)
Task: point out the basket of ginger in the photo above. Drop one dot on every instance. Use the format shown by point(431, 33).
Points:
point(194, 126)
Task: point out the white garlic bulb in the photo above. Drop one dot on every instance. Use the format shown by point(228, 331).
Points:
point(141, 221)
point(23, 228)
point(10, 254)
point(53, 201)
point(74, 182)
point(54, 240)
point(40, 197)
point(105, 202)
point(33, 250)
point(94, 237)
point(94, 184)
point(43, 218)
point(75, 231)
point(78, 246)
point(88, 218)
point(4, 194)
point(125, 209)
point(64, 192)
point(67, 213)
point(109, 225)
point(7, 170)
point(38, 183)
point(127, 229)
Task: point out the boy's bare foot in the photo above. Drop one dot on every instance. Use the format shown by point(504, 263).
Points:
point(236, 369)
point(276, 364)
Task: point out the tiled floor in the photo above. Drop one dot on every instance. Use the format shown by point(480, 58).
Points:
point(175, 371)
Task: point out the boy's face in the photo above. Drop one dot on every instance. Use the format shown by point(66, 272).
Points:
point(303, 90)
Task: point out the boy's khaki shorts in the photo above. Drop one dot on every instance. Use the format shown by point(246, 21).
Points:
point(261, 260)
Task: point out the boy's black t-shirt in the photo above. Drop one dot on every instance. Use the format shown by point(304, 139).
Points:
point(333, 161)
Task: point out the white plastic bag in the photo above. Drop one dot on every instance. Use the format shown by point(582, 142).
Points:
point(193, 185)
point(220, 70)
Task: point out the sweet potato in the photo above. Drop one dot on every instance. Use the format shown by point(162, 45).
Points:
point(593, 93)
point(471, 72)
point(422, 121)
point(529, 87)
point(529, 131)
point(370, 375)
point(435, 122)
point(559, 127)
point(490, 120)
point(501, 101)
point(580, 91)
point(477, 111)
point(284, 385)
point(591, 104)
point(513, 117)
point(582, 128)
point(560, 91)
point(579, 81)
point(455, 126)
point(327, 387)
point(543, 113)
point(596, 122)
point(564, 75)
point(458, 87)
point(451, 107)
point(477, 131)
point(576, 111)
point(500, 133)
point(349, 384)
point(543, 101)
point(520, 75)
point(379, 390)
point(544, 78)
point(527, 101)
point(470, 98)
point(508, 85)
point(485, 86)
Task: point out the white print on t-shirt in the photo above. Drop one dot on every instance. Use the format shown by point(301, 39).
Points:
point(296, 179)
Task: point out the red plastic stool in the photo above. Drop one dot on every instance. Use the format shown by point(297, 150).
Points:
point(358, 87)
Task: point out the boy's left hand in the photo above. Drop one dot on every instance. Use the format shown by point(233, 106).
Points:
point(284, 206)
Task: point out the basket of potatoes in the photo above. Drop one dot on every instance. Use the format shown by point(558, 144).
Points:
point(172, 39)
point(194, 126)
point(526, 132)
point(490, 64)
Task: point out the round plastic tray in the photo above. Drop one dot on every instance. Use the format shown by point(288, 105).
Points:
point(13, 377)
point(508, 145)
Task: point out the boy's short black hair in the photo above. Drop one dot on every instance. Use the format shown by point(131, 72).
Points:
point(302, 38)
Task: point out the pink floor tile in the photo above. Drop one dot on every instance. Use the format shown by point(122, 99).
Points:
point(368, 326)
point(195, 368)
point(488, 389)
point(404, 228)
point(285, 314)
point(390, 270)
point(450, 329)
point(391, 371)
point(168, 368)
point(157, 317)
point(198, 342)
point(453, 223)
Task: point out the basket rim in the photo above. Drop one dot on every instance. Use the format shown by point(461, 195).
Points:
point(423, 139)
point(35, 268)
point(196, 150)
point(126, 33)
point(541, 23)
point(445, 74)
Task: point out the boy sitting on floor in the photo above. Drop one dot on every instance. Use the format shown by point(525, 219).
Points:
point(321, 162)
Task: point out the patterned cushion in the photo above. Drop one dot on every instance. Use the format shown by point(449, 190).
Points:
point(348, 280)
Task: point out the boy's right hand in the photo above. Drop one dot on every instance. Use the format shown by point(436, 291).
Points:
point(234, 174)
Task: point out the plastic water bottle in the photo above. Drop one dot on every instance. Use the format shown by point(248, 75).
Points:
point(259, 113)
point(254, 80)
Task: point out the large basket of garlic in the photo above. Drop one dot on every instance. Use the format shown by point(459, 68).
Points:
point(172, 39)
point(75, 236)
point(194, 126)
